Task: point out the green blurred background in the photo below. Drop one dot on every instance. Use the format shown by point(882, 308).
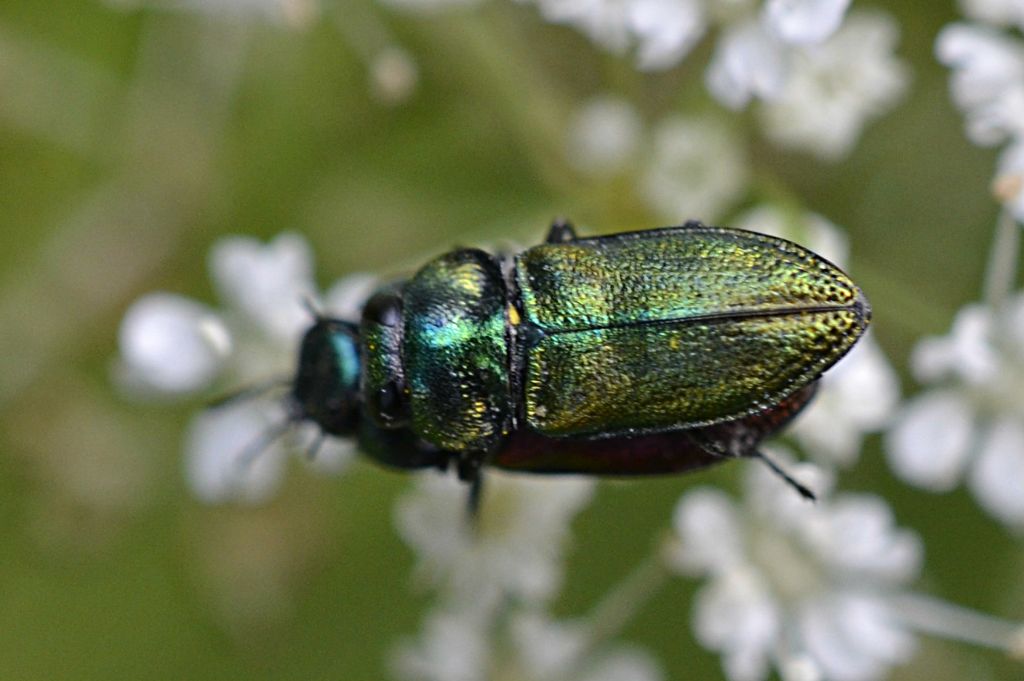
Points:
point(130, 140)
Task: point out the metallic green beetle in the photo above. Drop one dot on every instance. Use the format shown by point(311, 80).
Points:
point(636, 353)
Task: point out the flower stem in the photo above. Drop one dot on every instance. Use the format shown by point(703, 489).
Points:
point(624, 601)
point(957, 623)
point(1001, 272)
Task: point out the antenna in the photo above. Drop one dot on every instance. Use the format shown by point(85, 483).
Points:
point(253, 450)
point(248, 392)
point(315, 445)
point(312, 307)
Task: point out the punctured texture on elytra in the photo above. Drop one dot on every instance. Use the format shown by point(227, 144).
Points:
point(676, 328)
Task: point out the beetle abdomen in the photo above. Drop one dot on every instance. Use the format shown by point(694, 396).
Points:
point(651, 454)
point(676, 328)
point(455, 353)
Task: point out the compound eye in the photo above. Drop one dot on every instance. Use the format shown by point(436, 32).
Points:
point(392, 404)
point(384, 308)
point(384, 387)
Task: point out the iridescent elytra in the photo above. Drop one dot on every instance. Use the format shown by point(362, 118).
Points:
point(631, 354)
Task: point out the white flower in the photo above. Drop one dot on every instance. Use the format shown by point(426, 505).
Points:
point(452, 647)
point(988, 85)
point(604, 135)
point(748, 63)
point(987, 81)
point(756, 56)
point(460, 646)
point(969, 422)
point(797, 585)
point(804, 21)
point(216, 466)
point(515, 549)
point(697, 169)
point(548, 650)
point(997, 478)
point(996, 12)
point(930, 442)
point(662, 32)
point(268, 284)
point(173, 346)
point(835, 87)
point(170, 344)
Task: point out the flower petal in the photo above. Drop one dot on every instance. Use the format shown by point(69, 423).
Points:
point(171, 344)
point(679, 182)
point(748, 63)
point(604, 136)
point(515, 549)
point(220, 465)
point(346, 297)
point(929, 444)
point(736, 615)
point(854, 637)
point(833, 89)
point(863, 539)
point(709, 532)
point(268, 283)
point(987, 66)
point(452, 647)
point(967, 351)
point(997, 477)
point(804, 22)
point(548, 649)
point(665, 31)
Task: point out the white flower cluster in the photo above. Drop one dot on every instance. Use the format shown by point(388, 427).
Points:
point(536, 648)
point(815, 591)
point(987, 84)
point(671, 168)
point(795, 585)
point(495, 575)
point(818, 78)
point(173, 346)
point(970, 423)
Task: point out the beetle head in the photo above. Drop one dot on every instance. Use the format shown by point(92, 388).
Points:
point(326, 387)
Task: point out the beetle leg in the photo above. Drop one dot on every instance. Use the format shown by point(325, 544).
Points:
point(476, 490)
point(778, 470)
point(470, 470)
point(468, 466)
point(717, 449)
point(561, 232)
point(314, 447)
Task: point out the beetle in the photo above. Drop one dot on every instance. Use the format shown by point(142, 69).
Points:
point(637, 353)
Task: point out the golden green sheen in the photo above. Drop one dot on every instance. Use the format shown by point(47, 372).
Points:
point(677, 328)
point(455, 352)
point(674, 273)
